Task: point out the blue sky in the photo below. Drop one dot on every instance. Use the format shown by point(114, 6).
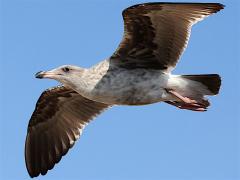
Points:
point(154, 142)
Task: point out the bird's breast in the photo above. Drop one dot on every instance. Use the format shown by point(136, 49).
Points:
point(130, 87)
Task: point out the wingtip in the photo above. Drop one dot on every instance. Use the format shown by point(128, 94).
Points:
point(220, 6)
point(216, 6)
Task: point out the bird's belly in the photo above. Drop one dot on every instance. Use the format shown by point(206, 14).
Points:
point(131, 90)
point(132, 96)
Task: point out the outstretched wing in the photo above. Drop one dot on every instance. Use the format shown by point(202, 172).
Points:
point(156, 34)
point(56, 123)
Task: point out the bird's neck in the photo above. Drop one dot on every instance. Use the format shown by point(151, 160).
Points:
point(85, 83)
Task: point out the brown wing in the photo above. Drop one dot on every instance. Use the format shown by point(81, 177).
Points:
point(56, 123)
point(155, 34)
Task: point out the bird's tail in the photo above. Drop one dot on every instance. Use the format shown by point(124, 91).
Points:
point(194, 88)
point(211, 81)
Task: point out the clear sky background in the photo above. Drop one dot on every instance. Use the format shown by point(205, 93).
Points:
point(154, 142)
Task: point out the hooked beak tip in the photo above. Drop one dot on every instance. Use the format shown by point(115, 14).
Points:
point(39, 74)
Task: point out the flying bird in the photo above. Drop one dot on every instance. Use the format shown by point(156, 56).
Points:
point(138, 73)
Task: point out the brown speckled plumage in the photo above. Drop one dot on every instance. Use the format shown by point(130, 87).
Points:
point(138, 73)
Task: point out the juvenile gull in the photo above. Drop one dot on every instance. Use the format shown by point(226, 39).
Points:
point(138, 73)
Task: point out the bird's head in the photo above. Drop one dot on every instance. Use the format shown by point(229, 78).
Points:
point(65, 74)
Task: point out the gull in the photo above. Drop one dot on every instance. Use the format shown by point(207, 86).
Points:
point(138, 73)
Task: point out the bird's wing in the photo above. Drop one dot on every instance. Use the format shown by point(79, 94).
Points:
point(56, 123)
point(156, 34)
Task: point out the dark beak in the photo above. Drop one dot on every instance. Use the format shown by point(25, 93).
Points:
point(46, 74)
point(39, 74)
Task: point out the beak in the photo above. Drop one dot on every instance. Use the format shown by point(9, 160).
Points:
point(45, 74)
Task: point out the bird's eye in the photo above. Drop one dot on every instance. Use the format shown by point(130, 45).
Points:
point(65, 69)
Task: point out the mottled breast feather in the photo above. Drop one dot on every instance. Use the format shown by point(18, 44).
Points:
point(56, 123)
point(156, 34)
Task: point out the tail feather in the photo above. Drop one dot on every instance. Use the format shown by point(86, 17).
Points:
point(193, 87)
point(211, 81)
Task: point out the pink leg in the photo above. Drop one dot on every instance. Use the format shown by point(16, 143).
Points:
point(186, 103)
point(182, 105)
point(180, 97)
point(193, 108)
